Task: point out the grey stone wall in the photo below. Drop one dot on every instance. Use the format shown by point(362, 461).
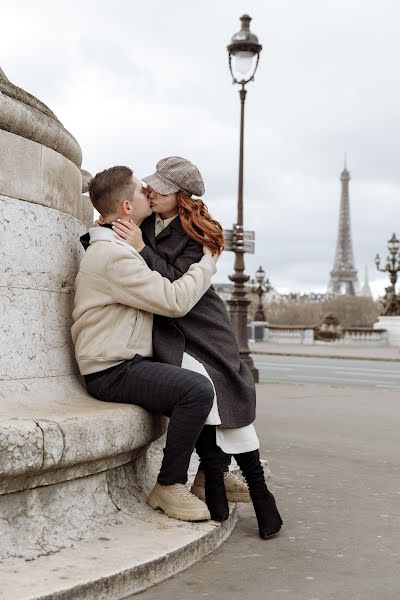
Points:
point(58, 446)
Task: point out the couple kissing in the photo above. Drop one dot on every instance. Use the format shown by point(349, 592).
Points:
point(149, 329)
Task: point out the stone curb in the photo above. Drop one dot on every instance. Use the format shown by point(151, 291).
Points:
point(121, 584)
point(372, 358)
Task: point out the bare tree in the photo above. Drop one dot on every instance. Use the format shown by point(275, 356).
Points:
point(351, 311)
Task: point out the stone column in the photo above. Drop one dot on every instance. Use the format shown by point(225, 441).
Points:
point(52, 433)
point(41, 210)
point(74, 471)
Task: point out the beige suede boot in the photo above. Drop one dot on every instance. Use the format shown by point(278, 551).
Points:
point(236, 490)
point(178, 503)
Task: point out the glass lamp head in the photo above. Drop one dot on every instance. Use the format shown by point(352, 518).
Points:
point(393, 244)
point(260, 275)
point(244, 53)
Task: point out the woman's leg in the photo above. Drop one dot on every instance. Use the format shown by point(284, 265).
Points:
point(225, 462)
point(213, 461)
point(268, 517)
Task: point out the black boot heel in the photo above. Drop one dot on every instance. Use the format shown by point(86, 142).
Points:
point(216, 500)
point(268, 518)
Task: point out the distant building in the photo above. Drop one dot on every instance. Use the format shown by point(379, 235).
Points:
point(311, 297)
point(224, 290)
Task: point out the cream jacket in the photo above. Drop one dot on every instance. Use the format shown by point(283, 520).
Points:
point(116, 295)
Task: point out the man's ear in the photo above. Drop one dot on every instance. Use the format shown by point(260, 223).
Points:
point(126, 207)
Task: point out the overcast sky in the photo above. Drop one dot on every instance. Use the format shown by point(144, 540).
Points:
point(135, 81)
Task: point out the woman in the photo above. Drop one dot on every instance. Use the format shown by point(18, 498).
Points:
point(203, 340)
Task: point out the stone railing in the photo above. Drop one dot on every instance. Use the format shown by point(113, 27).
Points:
point(259, 331)
point(299, 334)
point(289, 335)
point(360, 336)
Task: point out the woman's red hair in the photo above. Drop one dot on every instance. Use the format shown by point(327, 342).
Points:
point(198, 223)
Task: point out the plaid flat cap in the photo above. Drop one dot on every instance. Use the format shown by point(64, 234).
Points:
point(176, 174)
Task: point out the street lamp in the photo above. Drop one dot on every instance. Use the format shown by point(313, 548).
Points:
point(244, 54)
point(391, 301)
point(393, 245)
point(392, 262)
point(263, 286)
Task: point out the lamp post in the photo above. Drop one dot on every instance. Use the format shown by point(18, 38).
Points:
point(391, 300)
point(244, 54)
point(263, 286)
point(392, 262)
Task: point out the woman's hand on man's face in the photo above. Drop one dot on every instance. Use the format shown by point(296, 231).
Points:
point(129, 232)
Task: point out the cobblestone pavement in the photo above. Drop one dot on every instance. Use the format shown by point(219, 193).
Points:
point(335, 456)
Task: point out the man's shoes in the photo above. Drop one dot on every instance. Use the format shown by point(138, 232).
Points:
point(236, 490)
point(178, 503)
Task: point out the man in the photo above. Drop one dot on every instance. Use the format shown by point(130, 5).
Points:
point(116, 295)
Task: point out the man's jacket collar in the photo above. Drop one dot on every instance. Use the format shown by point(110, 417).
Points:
point(85, 238)
point(106, 234)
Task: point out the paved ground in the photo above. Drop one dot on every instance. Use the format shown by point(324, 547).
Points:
point(328, 351)
point(311, 369)
point(335, 456)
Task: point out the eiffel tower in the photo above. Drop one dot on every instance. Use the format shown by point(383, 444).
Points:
point(344, 278)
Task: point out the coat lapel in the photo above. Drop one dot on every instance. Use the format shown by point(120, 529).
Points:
point(174, 227)
point(147, 227)
point(164, 233)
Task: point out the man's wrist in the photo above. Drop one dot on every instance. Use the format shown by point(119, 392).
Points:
point(140, 249)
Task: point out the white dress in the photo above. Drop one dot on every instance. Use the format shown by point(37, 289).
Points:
point(231, 441)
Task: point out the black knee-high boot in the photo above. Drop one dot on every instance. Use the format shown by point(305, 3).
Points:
point(213, 462)
point(268, 517)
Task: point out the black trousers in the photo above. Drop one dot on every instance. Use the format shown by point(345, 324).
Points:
point(182, 395)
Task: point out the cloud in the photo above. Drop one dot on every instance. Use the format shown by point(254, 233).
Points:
point(136, 81)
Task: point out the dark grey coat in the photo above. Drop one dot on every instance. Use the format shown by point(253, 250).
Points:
point(206, 332)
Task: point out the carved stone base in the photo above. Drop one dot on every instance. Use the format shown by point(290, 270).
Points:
point(392, 325)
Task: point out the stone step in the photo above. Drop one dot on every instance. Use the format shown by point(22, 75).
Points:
point(74, 523)
point(143, 549)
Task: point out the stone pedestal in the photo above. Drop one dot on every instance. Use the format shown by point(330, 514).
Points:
point(74, 471)
point(392, 326)
point(256, 331)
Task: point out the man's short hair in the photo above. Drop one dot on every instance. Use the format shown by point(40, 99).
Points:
point(108, 188)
